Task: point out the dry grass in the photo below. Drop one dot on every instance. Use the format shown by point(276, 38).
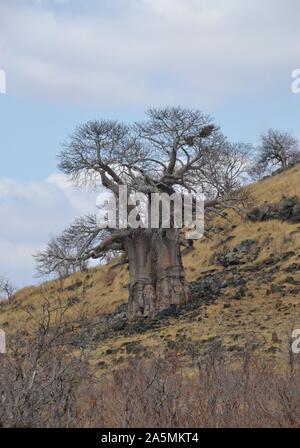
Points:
point(259, 314)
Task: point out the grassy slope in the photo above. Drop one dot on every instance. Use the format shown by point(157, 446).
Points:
point(263, 316)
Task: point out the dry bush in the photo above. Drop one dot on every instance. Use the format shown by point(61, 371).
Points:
point(41, 383)
point(161, 394)
point(46, 381)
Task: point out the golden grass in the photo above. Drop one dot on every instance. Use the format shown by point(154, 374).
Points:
point(258, 316)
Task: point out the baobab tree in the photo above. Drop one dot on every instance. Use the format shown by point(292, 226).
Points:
point(174, 150)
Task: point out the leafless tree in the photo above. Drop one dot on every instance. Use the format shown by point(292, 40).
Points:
point(6, 289)
point(174, 150)
point(277, 149)
point(63, 253)
point(42, 384)
point(226, 171)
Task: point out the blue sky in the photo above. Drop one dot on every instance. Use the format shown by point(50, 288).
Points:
point(70, 61)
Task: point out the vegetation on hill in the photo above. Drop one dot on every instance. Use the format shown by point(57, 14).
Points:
point(245, 282)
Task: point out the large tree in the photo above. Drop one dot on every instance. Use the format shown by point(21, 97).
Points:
point(174, 150)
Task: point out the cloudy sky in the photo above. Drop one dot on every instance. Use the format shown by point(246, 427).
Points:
point(70, 61)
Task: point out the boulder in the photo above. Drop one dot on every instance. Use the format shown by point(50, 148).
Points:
point(288, 209)
point(245, 252)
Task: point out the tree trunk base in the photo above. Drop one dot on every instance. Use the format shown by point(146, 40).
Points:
point(156, 273)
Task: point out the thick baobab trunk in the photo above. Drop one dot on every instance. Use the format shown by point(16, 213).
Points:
point(157, 278)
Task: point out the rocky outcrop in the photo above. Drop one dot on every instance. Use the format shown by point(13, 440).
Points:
point(288, 209)
point(209, 287)
point(245, 252)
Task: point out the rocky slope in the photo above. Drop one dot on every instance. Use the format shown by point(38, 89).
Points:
point(245, 282)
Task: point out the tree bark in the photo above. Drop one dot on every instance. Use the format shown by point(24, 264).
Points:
point(157, 278)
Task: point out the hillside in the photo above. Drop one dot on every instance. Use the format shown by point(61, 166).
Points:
point(254, 299)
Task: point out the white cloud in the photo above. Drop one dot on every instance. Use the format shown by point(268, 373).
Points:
point(79, 201)
point(129, 53)
point(30, 212)
point(145, 52)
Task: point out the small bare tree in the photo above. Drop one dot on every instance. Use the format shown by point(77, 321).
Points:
point(61, 257)
point(277, 149)
point(226, 171)
point(174, 150)
point(6, 289)
point(42, 383)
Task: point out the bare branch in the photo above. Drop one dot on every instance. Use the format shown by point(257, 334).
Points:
point(6, 289)
point(277, 149)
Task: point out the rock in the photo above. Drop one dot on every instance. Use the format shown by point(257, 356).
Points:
point(245, 252)
point(295, 291)
point(171, 311)
point(118, 324)
point(109, 351)
point(288, 209)
point(294, 267)
point(285, 208)
point(238, 281)
point(208, 287)
point(101, 364)
point(291, 280)
point(296, 213)
point(240, 293)
point(276, 288)
point(261, 213)
point(117, 321)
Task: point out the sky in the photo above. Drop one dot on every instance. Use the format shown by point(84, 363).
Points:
point(70, 61)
